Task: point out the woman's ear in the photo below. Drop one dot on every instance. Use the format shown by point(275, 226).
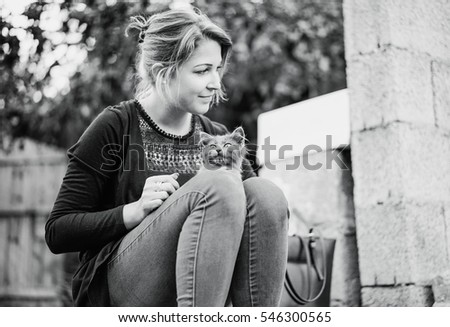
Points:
point(204, 138)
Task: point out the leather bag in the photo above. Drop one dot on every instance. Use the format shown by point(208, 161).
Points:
point(308, 274)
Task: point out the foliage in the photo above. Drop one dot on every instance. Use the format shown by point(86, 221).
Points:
point(285, 51)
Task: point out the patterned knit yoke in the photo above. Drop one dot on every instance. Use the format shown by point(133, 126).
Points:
point(168, 153)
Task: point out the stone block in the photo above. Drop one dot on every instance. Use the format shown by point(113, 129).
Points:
point(401, 243)
point(441, 304)
point(389, 86)
point(383, 253)
point(441, 288)
point(400, 161)
point(400, 296)
point(427, 229)
point(426, 168)
point(441, 93)
point(362, 22)
point(416, 25)
point(346, 288)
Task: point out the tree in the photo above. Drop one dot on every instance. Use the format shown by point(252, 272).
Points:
point(284, 52)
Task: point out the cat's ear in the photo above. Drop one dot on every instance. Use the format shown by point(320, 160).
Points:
point(204, 138)
point(239, 135)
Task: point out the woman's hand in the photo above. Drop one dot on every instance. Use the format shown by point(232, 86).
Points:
point(156, 190)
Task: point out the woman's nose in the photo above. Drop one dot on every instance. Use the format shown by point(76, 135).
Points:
point(214, 83)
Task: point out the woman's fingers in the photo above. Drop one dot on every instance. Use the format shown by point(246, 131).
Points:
point(156, 190)
point(154, 204)
point(160, 195)
point(152, 195)
point(169, 188)
point(159, 186)
point(172, 179)
point(153, 200)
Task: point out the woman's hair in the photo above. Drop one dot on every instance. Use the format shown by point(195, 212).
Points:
point(166, 41)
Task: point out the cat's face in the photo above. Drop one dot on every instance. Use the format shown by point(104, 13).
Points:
point(223, 150)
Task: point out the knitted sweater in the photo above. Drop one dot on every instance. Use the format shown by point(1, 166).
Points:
point(107, 169)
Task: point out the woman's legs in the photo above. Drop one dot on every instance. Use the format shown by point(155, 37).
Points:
point(186, 248)
point(261, 264)
point(192, 244)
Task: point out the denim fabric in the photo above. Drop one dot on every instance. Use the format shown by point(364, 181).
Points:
point(214, 238)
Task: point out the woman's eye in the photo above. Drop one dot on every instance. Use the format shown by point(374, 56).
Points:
point(204, 71)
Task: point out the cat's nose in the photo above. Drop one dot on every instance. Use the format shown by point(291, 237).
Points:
point(213, 153)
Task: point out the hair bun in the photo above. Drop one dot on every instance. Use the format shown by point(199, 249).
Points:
point(137, 27)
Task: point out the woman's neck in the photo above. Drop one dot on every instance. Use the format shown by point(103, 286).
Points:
point(169, 119)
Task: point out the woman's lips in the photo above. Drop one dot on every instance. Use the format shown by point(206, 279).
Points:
point(206, 98)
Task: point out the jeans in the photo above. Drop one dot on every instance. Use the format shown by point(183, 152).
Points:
point(216, 238)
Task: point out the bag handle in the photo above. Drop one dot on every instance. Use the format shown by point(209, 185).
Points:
point(311, 263)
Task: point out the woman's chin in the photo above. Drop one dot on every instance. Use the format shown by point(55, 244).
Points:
point(200, 110)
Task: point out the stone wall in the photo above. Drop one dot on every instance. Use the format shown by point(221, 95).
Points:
point(398, 72)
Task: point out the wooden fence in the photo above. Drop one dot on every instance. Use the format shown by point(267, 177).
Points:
point(30, 177)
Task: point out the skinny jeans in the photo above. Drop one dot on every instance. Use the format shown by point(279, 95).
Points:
point(216, 239)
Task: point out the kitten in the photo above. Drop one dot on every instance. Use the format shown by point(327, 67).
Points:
point(224, 152)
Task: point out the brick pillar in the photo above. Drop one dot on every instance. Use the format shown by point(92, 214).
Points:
point(398, 68)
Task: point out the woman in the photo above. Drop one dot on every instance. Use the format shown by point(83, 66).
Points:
point(151, 232)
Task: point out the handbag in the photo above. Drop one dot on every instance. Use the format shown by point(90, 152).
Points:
point(308, 274)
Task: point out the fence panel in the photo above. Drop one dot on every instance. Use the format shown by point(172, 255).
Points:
point(30, 175)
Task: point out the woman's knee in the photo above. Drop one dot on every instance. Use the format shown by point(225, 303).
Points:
point(224, 182)
point(264, 196)
point(224, 188)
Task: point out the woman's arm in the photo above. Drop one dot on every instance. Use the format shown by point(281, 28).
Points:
point(76, 222)
point(84, 216)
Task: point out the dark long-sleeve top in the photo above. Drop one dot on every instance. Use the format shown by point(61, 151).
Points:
point(107, 169)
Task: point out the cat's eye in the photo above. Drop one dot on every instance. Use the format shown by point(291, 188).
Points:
point(226, 145)
point(212, 146)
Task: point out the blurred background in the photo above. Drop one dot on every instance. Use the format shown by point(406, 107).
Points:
point(64, 61)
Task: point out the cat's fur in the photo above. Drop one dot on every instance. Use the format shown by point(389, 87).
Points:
point(223, 152)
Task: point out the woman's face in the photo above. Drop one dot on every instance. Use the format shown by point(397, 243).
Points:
point(198, 78)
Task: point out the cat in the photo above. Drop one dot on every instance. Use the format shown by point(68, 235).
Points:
point(223, 152)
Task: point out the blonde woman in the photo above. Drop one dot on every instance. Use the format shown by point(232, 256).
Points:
point(150, 231)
